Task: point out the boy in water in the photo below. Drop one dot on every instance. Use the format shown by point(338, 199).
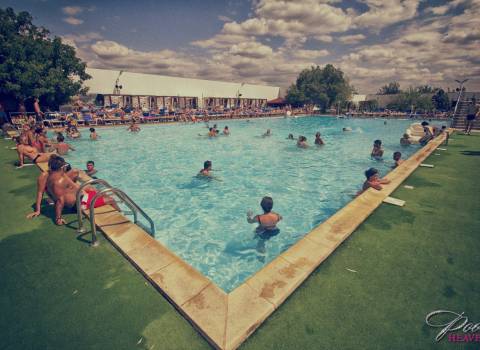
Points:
point(318, 139)
point(207, 168)
point(377, 151)
point(62, 147)
point(302, 142)
point(226, 132)
point(397, 157)
point(93, 134)
point(266, 221)
point(90, 171)
point(212, 132)
point(405, 140)
point(373, 180)
point(133, 127)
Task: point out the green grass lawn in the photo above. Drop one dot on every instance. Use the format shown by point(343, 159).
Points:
point(58, 293)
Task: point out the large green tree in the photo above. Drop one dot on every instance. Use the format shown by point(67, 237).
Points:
point(411, 100)
point(318, 86)
point(441, 101)
point(391, 88)
point(33, 64)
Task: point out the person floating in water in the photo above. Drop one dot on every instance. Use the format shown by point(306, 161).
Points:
point(318, 139)
point(267, 222)
point(133, 127)
point(377, 151)
point(405, 140)
point(397, 157)
point(267, 133)
point(373, 181)
point(93, 134)
point(302, 142)
point(226, 131)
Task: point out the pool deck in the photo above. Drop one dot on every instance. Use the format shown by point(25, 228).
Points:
point(227, 320)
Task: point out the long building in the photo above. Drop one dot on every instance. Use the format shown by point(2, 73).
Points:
point(111, 87)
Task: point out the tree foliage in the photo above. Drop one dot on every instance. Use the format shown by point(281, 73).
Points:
point(410, 101)
point(32, 64)
point(391, 88)
point(441, 101)
point(323, 87)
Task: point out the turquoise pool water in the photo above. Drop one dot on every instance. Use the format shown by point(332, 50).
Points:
point(204, 222)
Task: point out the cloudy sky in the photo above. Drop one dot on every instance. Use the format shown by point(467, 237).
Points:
point(271, 41)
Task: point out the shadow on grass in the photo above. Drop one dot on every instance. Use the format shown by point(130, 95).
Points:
point(394, 216)
point(418, 181)
point(470, 153)
point(54, 293)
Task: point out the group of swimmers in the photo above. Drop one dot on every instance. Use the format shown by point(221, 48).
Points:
point(214, 131)
point(302, 140)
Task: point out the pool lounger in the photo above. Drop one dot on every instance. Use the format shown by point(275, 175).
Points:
point(394, 201)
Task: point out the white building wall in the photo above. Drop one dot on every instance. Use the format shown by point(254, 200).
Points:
point(103, 82)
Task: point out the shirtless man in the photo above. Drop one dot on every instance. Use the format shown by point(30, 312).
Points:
point(61, 146)
point(377, 151)
point(61, 186)
point(26, 136)
point(54, 161)
point(30, 152)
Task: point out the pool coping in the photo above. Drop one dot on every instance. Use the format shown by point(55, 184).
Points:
point(226, 320)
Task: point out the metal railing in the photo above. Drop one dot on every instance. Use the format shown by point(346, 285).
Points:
point(135, 209)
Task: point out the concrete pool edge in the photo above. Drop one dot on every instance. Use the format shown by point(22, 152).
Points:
point(226, 320)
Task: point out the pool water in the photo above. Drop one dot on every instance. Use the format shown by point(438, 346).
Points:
point(204, 222)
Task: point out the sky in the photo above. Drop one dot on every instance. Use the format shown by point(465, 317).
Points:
point(374, 42)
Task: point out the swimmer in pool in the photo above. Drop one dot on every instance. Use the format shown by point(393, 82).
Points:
point(377, 151)
point(405, 140)
point(212, 132)
point(290, 137)
point(302, 142)
point(268, 133)
point(226, 131)
point(318, 139)
point(373, 181)
point(397, 157)
point(347, 129)
point(268, 220)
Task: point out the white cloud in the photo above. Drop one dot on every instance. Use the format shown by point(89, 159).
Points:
point(224, 18)
point(310, 54)
point(352, 39)
point(73, 21)
point(382, 13)
point(72, 10)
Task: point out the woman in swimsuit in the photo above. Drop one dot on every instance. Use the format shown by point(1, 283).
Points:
point(267, 222)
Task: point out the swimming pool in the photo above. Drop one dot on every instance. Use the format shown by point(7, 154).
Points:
point(204, 222)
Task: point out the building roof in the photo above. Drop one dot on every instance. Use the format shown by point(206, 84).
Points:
point(103, 82)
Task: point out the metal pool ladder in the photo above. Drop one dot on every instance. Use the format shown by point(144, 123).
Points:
point(111, 190)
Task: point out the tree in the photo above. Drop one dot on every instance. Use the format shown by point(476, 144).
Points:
point(323, 87)
point(441, 101)
point(411, 100)
point(391, 89)
point(32, 64)
point(427, 89)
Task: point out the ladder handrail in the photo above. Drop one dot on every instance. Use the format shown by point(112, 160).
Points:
point(128, 201)
point(78, 201)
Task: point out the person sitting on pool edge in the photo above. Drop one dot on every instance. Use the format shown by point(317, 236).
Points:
point(373, 181)
point(377, 151)
point(268, 220)
point(397, 157)
point(59, 183)
point(302, 142)
point(30, 152)
point(318, 139)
